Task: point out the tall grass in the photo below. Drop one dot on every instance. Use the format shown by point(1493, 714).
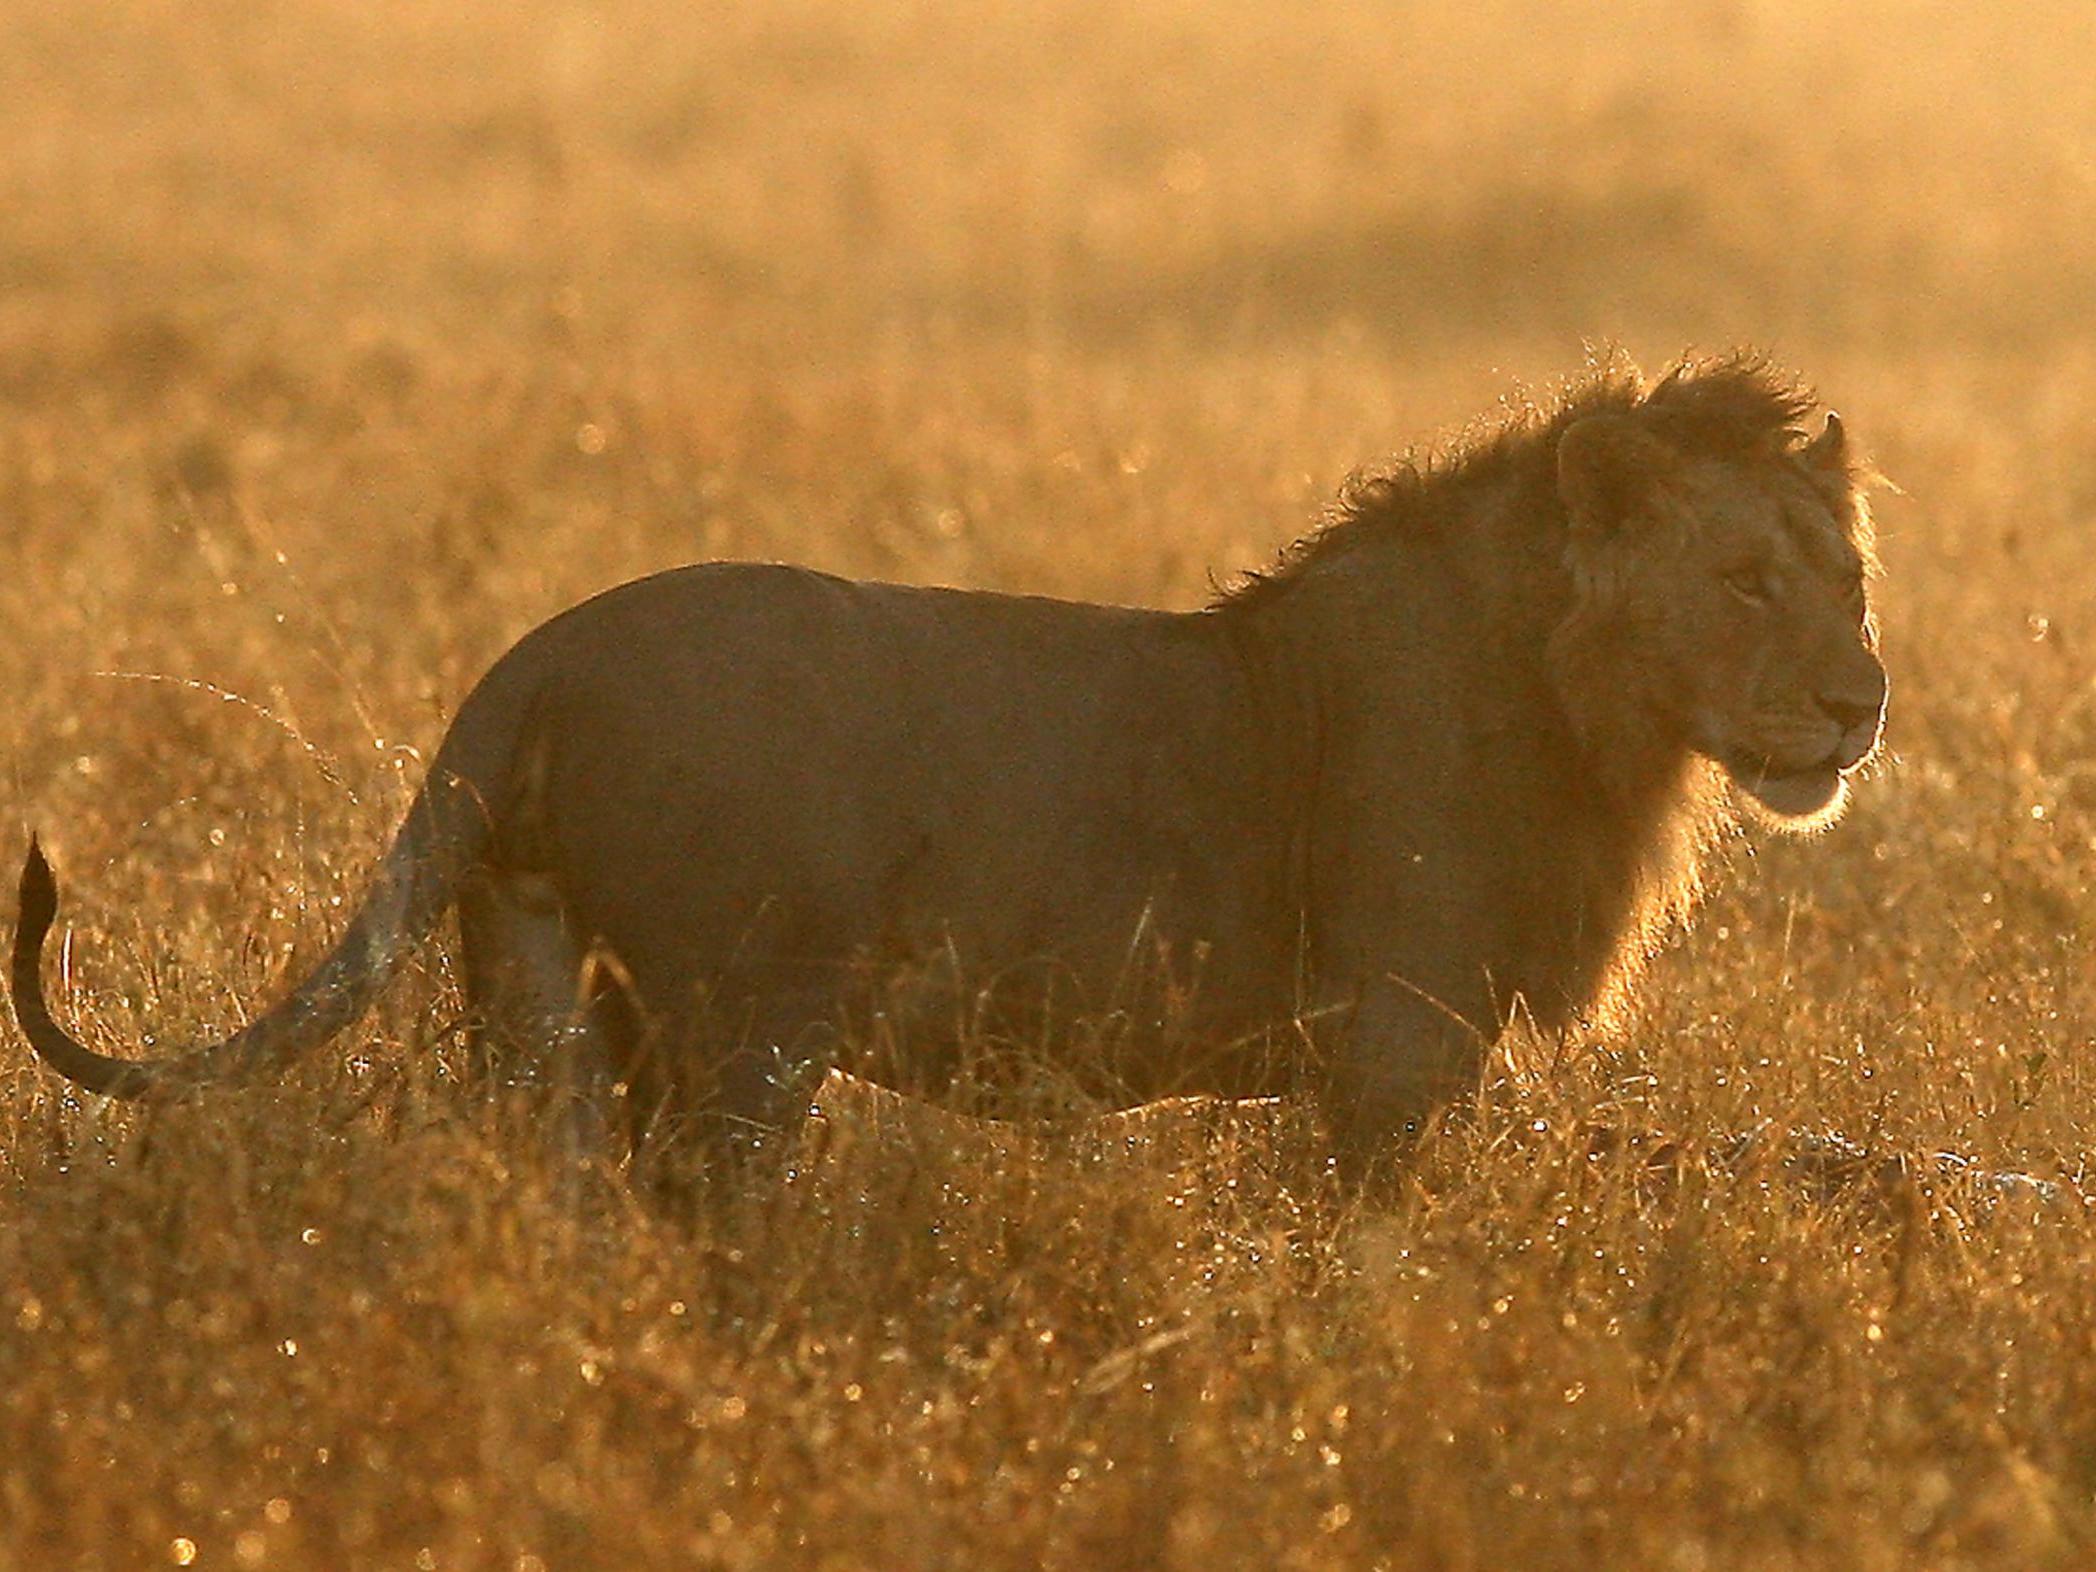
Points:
point(341, 343)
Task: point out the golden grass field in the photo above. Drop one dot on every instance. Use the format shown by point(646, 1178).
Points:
point(340, 343)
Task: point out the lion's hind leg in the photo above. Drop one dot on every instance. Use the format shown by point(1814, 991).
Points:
point(533, 1025)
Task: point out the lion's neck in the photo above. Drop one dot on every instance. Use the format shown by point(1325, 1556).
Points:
point(1661, 809)
point(1461, 644)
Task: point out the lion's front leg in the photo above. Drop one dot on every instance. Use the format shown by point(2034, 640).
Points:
point(1398, 1057)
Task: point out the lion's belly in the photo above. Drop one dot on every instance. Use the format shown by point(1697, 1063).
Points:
point(1139, 987)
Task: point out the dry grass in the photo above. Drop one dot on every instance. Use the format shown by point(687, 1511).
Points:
point(341, 342)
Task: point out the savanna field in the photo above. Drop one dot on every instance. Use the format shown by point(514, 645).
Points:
point(340, 344)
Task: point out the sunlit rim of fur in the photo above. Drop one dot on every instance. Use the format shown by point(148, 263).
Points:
point(1738, 406)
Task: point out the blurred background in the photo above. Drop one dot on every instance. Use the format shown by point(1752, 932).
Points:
point(738, 245)
point(807, 180)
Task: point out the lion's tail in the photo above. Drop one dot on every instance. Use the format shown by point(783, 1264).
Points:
point(447, 828)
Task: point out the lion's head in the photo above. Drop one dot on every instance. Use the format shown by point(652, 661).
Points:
point(1729, 585)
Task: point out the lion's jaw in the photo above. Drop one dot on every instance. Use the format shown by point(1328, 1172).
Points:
point(1816, 793)
point(1796, 768)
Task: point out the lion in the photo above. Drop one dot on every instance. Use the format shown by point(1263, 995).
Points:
point(1460, 757)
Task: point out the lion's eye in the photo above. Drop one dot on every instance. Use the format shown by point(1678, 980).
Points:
point(1754, 585)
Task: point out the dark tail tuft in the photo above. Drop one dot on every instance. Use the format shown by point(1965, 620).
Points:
point(39, 904)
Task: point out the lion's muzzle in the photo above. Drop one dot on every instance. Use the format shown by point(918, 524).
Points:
point(1858, 709)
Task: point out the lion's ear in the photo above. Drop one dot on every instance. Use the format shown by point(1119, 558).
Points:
point(1607, 465)
point(1826, 456)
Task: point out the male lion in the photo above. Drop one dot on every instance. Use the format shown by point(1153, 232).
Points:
point(1456, 757)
